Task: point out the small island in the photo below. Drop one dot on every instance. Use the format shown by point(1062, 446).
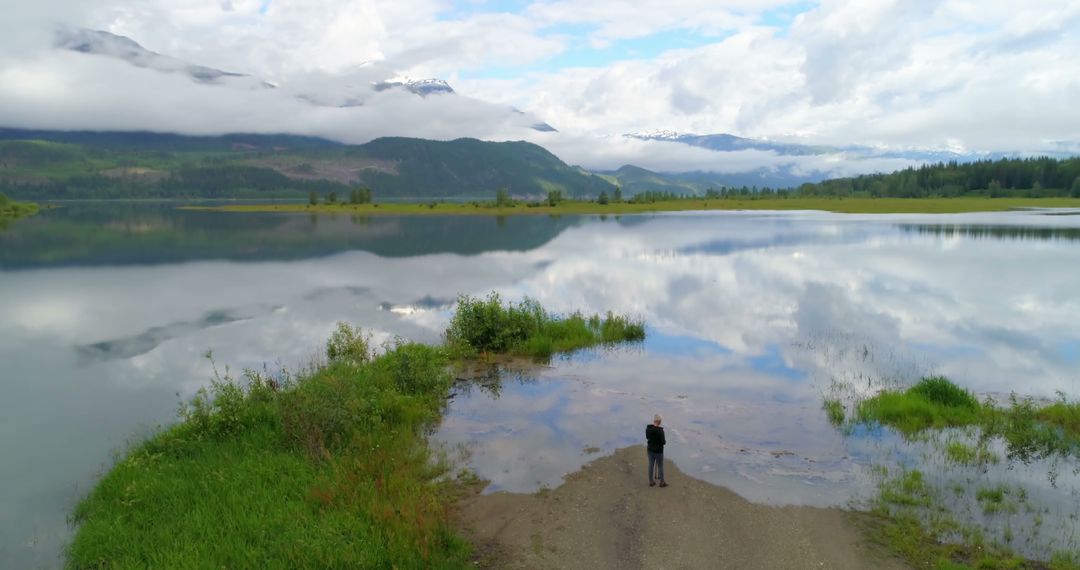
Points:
point(11, 210)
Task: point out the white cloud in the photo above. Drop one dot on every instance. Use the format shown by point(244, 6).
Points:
point(930, 74)
point(934, 73)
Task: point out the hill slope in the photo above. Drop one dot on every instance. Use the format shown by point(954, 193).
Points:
point(469, 167)
point(58, 164)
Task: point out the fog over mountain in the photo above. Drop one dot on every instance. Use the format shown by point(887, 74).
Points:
point(779, 90)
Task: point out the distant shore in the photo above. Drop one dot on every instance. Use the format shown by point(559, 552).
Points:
point(837, 205)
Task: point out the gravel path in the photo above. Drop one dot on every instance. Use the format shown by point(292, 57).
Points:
point(606, 516)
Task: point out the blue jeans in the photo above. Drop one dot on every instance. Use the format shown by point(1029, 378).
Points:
point(657, 460)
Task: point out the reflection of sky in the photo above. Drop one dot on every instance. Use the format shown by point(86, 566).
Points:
point(750, 317)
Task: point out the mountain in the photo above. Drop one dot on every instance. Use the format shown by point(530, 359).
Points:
point(469, 167)
point(728, 143)
point(724, 142)
point(353, 89)
point(421, 87)
point(635, 180)
point(97, 42)
point(792, 174)
point(64, 164)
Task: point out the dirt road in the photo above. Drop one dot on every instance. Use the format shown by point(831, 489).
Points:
point(606, 516)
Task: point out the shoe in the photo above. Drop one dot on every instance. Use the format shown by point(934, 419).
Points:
point(652, 483)
point(663, 483)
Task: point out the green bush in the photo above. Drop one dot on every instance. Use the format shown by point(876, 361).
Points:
point(349, 344)
point(490, 326)
point(940, 390)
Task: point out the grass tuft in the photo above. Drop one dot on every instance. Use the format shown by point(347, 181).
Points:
point(834, 410)
point(941, 391)
point(526, 329)
point(931, 403)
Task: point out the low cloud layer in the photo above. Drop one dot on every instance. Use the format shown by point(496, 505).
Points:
point(943, 74)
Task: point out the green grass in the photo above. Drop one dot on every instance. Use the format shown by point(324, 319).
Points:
point(488, 325)
point(329, 469)
point(839, 205)
point(834, 410)
point(1063, 415)
point(912, 522)
point(1029, 430)
point(921, 541)
point(931, 403)
point(964, 454)
point(11, 210)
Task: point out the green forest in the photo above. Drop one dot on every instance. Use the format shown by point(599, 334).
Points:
point(108, 165)
point(1040, 177)
point(73, 165)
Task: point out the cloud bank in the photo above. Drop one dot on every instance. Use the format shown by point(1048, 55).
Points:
point(942, 74)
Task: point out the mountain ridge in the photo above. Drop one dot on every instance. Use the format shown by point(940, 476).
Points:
point(40, 164)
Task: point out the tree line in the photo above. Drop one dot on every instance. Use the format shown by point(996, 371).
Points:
point(1007, 177)
point(1041, 177)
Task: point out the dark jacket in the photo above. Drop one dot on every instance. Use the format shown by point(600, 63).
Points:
point(655, 436)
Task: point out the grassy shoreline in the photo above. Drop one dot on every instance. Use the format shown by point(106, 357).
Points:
point(326, 469)
point(837, 205)
point(11, 210)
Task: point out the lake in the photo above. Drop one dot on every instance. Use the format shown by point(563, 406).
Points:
point(110, 310)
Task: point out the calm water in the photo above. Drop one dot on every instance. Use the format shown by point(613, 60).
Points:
point(107, 311)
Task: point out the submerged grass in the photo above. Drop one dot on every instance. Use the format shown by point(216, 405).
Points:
point(1028, 429)
point(930, 542)
point(964, 454)
point(526, 329)
point(914, 520)
point(328, 469)
point(834, 410)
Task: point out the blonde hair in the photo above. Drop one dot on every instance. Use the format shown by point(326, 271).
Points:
point(657, 419)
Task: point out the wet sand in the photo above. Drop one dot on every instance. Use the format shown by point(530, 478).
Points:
point(606, 516)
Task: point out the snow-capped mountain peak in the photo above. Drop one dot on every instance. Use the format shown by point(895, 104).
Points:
point(657, 134)
point(422, 87)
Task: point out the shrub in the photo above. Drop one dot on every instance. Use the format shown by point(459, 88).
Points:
point(348, 344)
point(489, 326)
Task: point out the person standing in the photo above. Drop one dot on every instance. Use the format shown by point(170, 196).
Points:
point(654, 436)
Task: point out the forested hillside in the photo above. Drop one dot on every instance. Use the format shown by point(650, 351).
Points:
point(1009, 177)
point(40, 165)
point(53, 165)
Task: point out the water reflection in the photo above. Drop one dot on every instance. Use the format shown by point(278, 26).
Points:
point(751, 317)
point(136, 233)
point(995, 232)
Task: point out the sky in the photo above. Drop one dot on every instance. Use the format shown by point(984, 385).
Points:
point(961, 75)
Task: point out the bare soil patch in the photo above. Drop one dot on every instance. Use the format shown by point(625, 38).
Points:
point(606, 516)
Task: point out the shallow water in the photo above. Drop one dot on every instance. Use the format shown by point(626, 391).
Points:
point(107, 311)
